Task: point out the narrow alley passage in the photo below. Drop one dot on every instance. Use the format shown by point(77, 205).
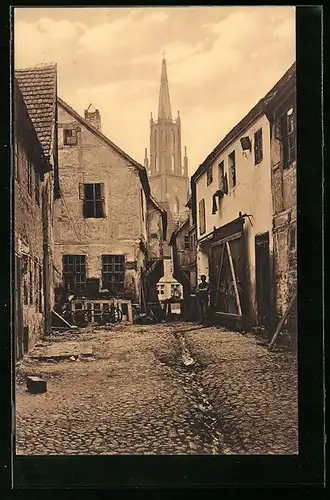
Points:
point(157, 389)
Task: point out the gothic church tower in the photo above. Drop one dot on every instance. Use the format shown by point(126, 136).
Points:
point(168, 177)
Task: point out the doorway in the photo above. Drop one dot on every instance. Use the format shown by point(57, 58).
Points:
point(262, 278)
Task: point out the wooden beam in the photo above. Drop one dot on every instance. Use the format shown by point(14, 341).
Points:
point(219, 273)
point(234, 278)
point(284, 317)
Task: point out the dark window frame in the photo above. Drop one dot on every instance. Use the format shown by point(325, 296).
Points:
point(258, 146)
point(113, 271)
point(209, 175)
point(232, 169)
point(288, 137)
point(70, 137)
point(93, 200)
point(186, 242)
point(74, 272)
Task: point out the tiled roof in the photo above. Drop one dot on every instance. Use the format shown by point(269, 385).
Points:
point(39, 88)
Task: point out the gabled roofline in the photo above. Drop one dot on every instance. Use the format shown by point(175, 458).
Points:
point(176, 231)
point(258, 110)
point(96, 132)
point(106, 140)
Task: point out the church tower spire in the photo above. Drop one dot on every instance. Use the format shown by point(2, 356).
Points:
point(168, 174)
point(164, 103)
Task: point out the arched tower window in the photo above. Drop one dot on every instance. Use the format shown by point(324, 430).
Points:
point(173, 138)
point(177, 206)
point(172, 163)
point(157, 163)
point(164, 140)
point(155, 135)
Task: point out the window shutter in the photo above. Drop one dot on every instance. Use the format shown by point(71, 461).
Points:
point(81, 191)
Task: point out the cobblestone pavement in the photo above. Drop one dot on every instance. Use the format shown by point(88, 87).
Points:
point(136, 390)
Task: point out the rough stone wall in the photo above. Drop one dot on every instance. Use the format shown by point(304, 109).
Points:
point(155, 232)
point(28, 230)
point(122, 228)
point(284, 222)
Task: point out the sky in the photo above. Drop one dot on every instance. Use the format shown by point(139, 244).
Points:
point(220, 62)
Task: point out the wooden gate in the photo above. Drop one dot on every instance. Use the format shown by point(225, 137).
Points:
point(228, 272)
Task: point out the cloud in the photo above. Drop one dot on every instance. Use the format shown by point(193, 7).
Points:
point(221, 61)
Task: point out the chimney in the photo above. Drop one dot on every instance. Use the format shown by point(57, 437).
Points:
point(92, 115)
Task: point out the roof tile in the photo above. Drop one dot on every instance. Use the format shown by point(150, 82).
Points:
point(39, 88)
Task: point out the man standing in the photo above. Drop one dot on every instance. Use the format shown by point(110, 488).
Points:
point(203, 299)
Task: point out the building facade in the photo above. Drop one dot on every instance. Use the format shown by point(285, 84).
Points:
point(35, 188)
point(281, 112)
point(233, 213)
point(168, 175)
point(109, 228)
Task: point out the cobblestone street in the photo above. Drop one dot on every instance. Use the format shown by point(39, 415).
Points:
point(157, 389)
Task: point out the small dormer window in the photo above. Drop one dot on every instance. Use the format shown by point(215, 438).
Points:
point(70, 137)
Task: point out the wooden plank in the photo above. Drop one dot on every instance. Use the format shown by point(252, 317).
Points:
point(285, 315)
point(219, 273)
point(225, 315)
point(234, 278)
point(227, 238)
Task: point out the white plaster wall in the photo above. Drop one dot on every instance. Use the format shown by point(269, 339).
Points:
point(251, 195)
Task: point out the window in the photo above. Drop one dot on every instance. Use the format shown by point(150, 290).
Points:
point(113, 272)
point(157, 163)
point(186, 242)
point(288, 130)
point(93, 200)
point(232, 168)
point(223, 184)
point(70, 137)
point(74, 272)
point(202, 227)
point(173, 163)
point(292, 238)
point(160, 289)
point(142, 204)
point(209, 175)
point(37, 187)
point(29, 174)
point(258, 153)
point(177, 206)
point(192, 242)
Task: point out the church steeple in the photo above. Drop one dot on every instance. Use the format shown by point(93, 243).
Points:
point(164, 104)
point(168, 176)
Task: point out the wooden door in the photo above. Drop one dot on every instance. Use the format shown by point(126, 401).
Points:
point(262, 278)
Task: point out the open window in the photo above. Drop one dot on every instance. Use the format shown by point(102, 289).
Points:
point(202, 226)
point(232, 168)
point(93, 200)
point(70, 137)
